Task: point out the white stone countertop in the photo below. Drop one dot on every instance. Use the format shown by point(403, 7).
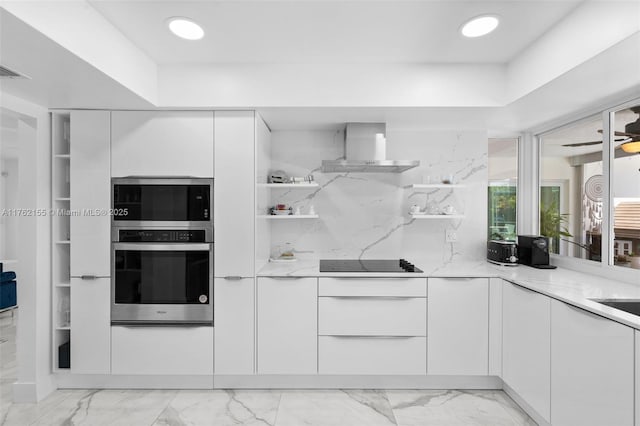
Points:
point(569, 286)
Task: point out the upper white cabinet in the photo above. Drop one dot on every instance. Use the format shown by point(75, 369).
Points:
point(592, 369)
point(234, 199)
point(287, 325)
point(234, 324)
point(458, 321)
point(526, 344)
point(90, 191)
point(162, 143)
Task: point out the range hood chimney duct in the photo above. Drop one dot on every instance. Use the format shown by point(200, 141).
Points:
point(365, 152)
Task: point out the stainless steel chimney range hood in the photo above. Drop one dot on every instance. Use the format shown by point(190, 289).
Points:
point(364, 151)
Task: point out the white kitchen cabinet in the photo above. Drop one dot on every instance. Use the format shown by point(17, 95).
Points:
point(458, 322)
point(162, 350)
point(287, 325)
point(90, 188)
point(372, 316)
point(377, 355)
point(234, 200)
point(495, 326)
point(90, 326)
point(162, 143)
point(234, 324)
point(526, 351)
point(379, 287)
point(592, 369)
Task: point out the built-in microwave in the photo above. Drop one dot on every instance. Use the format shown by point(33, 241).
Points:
point(159, 202)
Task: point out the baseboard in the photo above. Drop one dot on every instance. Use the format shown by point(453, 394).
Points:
point(84, 381)
point(79, 381)
point(355, 382)
point(30, 392)
point(525, 406)
point(25, 392)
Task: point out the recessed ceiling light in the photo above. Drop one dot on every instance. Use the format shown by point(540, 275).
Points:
point(185, 28)
point(480, 25)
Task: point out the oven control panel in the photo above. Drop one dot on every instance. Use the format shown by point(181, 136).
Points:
point(162, 235)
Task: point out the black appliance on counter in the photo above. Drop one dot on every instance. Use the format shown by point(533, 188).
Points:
point(533, 250)
point(368, 265)
point(502, 252)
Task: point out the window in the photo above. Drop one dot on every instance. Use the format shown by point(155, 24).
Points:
point(625, 189)
point(571, 189)
point(502, 193)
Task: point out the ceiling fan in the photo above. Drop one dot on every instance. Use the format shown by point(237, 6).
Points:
point(630, 137)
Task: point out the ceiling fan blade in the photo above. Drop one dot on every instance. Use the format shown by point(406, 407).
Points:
point(625, 134)
point(583, 143)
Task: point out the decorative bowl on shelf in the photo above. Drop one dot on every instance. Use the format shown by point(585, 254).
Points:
point(281, 212)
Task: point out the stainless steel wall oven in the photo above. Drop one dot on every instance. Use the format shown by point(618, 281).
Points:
point(162, 252)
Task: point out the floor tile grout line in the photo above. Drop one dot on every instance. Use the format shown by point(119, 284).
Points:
point(275, 419)
point(165, 407)
point(393, 413)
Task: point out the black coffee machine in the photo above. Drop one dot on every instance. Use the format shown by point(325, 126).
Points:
point(533, 250)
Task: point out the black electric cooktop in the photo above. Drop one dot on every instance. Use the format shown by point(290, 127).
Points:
point(367, 265)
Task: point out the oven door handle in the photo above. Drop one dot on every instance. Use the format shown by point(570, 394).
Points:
point(163, 246)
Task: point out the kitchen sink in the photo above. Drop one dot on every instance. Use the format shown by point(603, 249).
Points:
point(631, 306)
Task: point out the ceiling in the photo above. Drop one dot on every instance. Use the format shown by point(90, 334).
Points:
point(313, 31)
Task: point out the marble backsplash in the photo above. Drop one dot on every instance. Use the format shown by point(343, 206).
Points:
point(366, 215)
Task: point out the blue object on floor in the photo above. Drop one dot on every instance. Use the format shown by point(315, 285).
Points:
point(7, 276)
point(8, 296)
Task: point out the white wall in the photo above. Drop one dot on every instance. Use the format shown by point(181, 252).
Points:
point(587, 31)
point(8, 200)
point(330, 85)
point(34, 253)
point(626, 177)
point(366, 215)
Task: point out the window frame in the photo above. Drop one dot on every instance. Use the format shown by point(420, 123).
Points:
point(606, 266)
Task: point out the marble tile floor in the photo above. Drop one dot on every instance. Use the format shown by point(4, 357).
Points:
point(251, 407)
point(268, 407)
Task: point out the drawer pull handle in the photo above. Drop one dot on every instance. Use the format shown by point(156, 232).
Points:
point(350, 336)
point(88, 277)
point(233, 277)
point(377, 297)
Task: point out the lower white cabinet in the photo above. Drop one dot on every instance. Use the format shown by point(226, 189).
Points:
point(234, 324)
point(394, 355)
point(162, 350)
point(372, 316)
point(526, 340)
point(90, 326)
point(592, 369)
point(458, 323)
point(287, 325)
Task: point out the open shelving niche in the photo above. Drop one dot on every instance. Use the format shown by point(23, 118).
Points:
point(436, 186)
point(288, 186)
point(60, 233)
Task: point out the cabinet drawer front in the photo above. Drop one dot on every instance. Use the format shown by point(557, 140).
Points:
point(372, 316)
point(372, 355)
point(413, 287)
point(162, 350)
